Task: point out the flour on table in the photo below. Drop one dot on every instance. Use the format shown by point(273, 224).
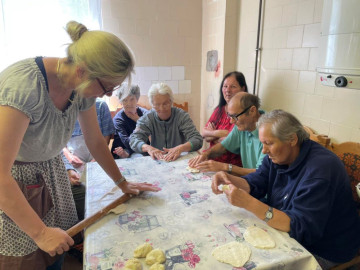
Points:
point(259, 238)
point(118, 209)
point(234, 253)
point(142, 250)
point(192, 170)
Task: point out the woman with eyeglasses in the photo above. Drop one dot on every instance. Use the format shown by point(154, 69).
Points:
point(40, 100)
point(170, 129)
point(219, 125)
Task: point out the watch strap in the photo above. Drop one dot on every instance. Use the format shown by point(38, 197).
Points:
point(269, 214)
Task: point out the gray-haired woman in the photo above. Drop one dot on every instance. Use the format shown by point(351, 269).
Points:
point(40, 100)
point(125, 120)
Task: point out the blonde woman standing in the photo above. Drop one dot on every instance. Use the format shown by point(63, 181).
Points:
point(40, 100)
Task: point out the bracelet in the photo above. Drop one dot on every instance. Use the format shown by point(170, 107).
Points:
point(122, 179)
point(230, 168)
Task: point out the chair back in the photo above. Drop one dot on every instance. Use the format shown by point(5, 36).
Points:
point(324, 140)
point(184, 106)
point(349, 153)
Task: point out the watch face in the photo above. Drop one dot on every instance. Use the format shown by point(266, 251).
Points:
point(269, 214)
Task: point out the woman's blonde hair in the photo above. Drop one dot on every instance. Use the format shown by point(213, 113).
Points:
point(103, 54)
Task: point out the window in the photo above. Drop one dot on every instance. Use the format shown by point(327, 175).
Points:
point(36, 27)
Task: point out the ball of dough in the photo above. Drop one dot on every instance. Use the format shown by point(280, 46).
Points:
point(157, 266)
point(225, 187)
point(142, 250)
point(155, 256)
point(133, 264)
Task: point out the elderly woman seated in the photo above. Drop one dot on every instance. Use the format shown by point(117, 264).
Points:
point(305, 188)
point(170, 129)
point(125, 120)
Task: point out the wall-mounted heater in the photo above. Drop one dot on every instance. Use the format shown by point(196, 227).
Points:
point(339, 63)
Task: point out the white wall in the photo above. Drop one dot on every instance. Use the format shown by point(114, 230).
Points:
point(165, 37)
point(288, 78)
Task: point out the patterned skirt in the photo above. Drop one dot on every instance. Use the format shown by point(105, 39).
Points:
point(60, 207)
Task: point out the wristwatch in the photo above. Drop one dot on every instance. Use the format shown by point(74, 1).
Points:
point(230, 168)
point(269, 214)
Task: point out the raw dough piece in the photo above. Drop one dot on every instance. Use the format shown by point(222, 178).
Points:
point(225, 187)
point(157, 266)
point(118, 209)
point(233, 253)
point(155, 256)
point(133, 264)
point(258, 238)
point(142, 250)
point(192, 170)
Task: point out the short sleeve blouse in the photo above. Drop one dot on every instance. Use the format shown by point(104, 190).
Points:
point(23, 87)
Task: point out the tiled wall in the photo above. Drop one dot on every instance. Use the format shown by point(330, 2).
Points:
point(288, 77)
point(165, 37)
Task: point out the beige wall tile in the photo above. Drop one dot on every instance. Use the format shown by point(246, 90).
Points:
point(311, 35)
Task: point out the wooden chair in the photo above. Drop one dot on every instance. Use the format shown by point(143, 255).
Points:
point(324, 140)
point(349, 153)
point(184, 106)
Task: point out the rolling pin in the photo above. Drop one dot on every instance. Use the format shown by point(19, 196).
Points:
point(98, 215)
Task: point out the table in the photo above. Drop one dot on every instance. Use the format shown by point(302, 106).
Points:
point(185, 219)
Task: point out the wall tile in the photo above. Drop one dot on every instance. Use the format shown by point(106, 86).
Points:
point(313, 105)
point(300, 59)
point(289, 15)
point(280, 37)
point(174, 85)
point(178, 73)
point(284, 58)
point(185, 87)
point(151, 74)
point(311, 35)
point(318, 10)
point(340, 131)
point(273, 17)
point(307, 81)
point(290, 80)
point(165, 73)
point(295, 36)
point(313, 59)
point(306, 12)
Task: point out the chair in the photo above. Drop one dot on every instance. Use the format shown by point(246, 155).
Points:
point(184, 106)
point(324, 140)
point(349, 153)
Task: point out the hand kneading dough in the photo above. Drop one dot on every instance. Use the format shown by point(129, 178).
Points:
point(192, 170)
point(142, 250)
point(258, 238)
point(157, 266)
point(155, 256)
point(133, 264)
point(233, 253)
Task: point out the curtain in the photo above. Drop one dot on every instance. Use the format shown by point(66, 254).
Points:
point(36, 27)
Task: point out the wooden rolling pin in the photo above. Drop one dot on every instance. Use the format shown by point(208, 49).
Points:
point(98, 215)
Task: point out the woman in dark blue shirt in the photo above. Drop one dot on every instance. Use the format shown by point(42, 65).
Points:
point(125, 120)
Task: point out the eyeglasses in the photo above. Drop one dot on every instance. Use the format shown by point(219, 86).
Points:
point(235, 117)
point(166, 104)
point(104, 89)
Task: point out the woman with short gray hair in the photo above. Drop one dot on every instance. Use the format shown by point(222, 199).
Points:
point(171, 129)
point(301, 188)
point(125, 120)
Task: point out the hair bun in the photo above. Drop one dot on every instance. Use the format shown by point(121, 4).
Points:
point(75, 30)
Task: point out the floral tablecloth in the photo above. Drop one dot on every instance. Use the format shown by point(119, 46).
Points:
point(185, 219)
